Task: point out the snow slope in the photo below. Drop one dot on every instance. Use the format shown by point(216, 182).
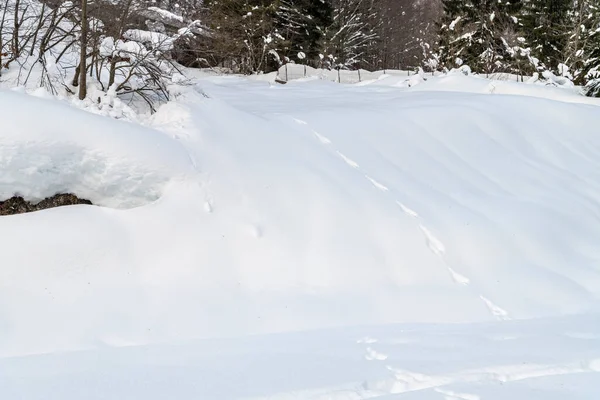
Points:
point(246, 208)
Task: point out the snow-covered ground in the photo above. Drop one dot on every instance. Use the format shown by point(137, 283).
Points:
point(310, 241)
point(553, 359)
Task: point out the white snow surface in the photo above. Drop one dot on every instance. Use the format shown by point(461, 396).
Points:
point(305, 241)
point(49, 147)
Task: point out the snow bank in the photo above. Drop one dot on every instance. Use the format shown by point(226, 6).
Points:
point(479, 84)
point(49, 147)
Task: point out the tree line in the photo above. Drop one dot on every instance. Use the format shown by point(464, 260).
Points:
point(260, 35)
point(247, 36)
point(522, 37)
point(137, 47)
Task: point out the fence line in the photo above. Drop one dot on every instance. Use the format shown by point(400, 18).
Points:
point(289, 72)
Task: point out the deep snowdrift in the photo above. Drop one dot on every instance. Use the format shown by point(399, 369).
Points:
point(263, 208)
point(48, 147)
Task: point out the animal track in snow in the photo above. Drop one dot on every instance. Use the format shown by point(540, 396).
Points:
point(378, 185)
point(374, 355)
point(299, 121)
point(458, 278)
point(321, 138)
point(438, 248)
point(496, 311)
point(407, 210)
point(433, 243)
point(407, 381)
point(348, 161)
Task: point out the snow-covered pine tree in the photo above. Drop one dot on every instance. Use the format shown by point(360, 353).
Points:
point(244, 35)
point(404, 27)
point(303, 24)
point(484, 34)
point(547, 27)
point(581, 51)
point(353, 31)
point(450, 46)
point(421, 45)
point(591, 74)
point(584, 46)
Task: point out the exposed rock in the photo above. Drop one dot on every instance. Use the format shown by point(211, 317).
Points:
point(18, 205)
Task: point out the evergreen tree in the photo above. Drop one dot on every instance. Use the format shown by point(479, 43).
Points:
point(406, 33)
point(303, 24)
point(547, 24)
point(353, 32)
point(244, 33)
point(450, 45)
point(581, 52)
point(483, 34)
point(584, 46)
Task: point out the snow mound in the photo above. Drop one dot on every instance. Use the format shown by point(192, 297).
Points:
point(458, 82)
point(476, 190)
point(296, 207)
point(59, 149)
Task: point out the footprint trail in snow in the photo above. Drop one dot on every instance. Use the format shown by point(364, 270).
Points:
point(435, 245)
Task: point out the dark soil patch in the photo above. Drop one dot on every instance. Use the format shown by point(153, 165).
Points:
point(18, 205)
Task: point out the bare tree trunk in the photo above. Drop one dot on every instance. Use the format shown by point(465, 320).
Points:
point(1, 30)
point(83, 55)
point(15, 36)
point(37, 29)
point(119, 32)
point(76, 77)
